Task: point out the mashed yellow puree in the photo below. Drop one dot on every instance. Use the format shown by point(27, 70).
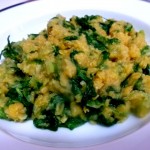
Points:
point(87, 69)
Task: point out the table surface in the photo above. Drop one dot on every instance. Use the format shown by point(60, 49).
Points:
point(142, 141)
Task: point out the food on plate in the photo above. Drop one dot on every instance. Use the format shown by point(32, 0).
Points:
point(86, 69)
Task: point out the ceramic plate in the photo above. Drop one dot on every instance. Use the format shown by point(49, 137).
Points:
point(20, 21)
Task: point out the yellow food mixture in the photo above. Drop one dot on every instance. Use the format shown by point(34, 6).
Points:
point(87, 69)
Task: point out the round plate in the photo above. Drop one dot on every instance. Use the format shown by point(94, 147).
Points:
point(29, 18)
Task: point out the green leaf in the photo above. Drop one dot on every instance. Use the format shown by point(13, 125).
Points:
point(136, 67)
point(88, 91)
point(2, 114)
point(72, 54)
point(128, 27)
point(94, 40)
point(56, 50)
point(18, 71)
point(48, 122)
point(105, 55)
point(84, 22)
point(115, 102)
point(76, 87)
point(33, 36)
point(13, 51)
point(38, 61)
point(70, 38)
point(138, 84)
point(55, 100)
point(146, 71)
point(107, 25)
point(67, 24)
point(107, 121)
point(146, 50)
point(72, 123)
point(94, 104)
point(21, 91)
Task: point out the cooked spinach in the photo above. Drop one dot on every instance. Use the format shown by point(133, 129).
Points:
point(57, 99)
point(18, 72)
point(116, 102)
point(72, 123)
point(84, 22)
point(38, 61)
point(21, 91)
point(69, 25)
point(76, 87)
point(128, 27)
point(56, 50)
point(107, 25)
point(107, 121)
point(107, 41)
point(48, 122)
point(94, 103)
point(70, 38)
point(105, 55)
point(72, 54)
point(88, 91)
point(13, 51)
point(2, 114)
point(33, 36)
point(146, 71)
point(124, 83)
point(138, 84)
point(136, 67)
point(92, 39)
point(145, 50)
point(81, 75)
point(100, 42)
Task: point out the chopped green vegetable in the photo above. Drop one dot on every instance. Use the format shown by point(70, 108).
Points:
point(72, 54)
point(107, 121)
point(107, 25)
point(105, 55)
point(67, 24)
point(95, 40)
point(76, 87)
point(116, 102)
point(18, 72)
point(138, 84)
point(88, 91)
point(100, 42)
point(38, 61)
point(128, 27)
point(146, 50)
point(56, 100)
point(146, 71)
point(84, 22)
point(136, 67)
point(2, 114)
point(56, 50)
point(72, 123)
point(94, 103)
point(71, 38)
point(33, 36)
point(13, 51)
point(48, 122)
point(22, 92)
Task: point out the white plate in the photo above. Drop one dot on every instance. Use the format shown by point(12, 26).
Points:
point(29, 18)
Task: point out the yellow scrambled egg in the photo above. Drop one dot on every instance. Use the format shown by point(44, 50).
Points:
point(86, 69)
